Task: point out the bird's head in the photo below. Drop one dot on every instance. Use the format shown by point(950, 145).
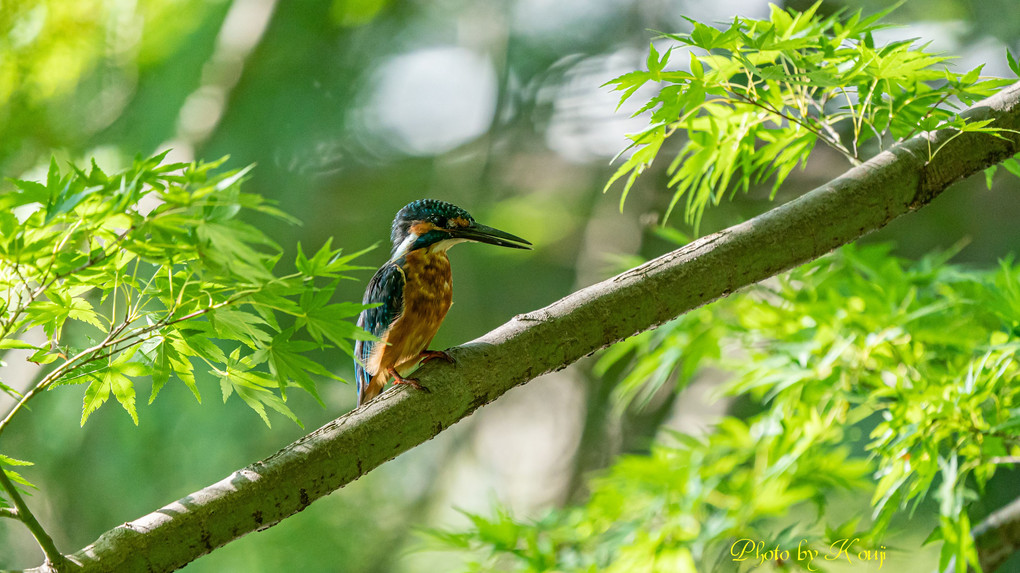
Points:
point(437, 225)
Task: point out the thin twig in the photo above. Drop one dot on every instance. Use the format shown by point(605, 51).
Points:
point(997, 537)
point(1005, 460)
point(53, 556)
point(96, 352)
point(57, 373)
point(41, 288)
point(835, 144)
point(932, 110)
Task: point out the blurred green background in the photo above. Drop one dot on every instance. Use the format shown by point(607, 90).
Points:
point(351, 109)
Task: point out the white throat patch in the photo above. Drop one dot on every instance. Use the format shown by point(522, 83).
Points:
point(442, 246)
point(445, 244)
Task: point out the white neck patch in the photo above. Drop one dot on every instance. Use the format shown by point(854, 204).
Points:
point(404, 247)
point(444, 245)
point(439, 247)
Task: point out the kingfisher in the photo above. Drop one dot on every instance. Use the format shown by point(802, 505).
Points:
point(414, 290)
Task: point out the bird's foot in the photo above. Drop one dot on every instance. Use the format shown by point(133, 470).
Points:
point(412, 382)
point(427, 355)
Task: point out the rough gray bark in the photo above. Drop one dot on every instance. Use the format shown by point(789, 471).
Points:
point(861, 200)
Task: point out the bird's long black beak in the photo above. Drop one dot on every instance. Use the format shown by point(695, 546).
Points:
point(484, 234)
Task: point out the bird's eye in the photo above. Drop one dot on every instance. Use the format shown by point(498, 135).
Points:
point(451, 223)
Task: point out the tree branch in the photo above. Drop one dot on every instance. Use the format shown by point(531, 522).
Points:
point(865, 198)
point(54, 560)
point(997, 537)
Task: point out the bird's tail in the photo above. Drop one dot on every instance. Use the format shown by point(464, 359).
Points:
point(369, 388)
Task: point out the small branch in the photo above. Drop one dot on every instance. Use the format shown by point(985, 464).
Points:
point(135, 336)
point(934, 108)
point(68, 365)
point(34, 293)
point(835, 137)
point(24, 399)
point(9, 513)
point(997, 537)
point(1005, 460)
point(833, 143)
point(111, 341)
point(54, 559)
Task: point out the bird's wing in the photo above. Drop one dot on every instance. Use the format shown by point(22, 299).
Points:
point(387, 289)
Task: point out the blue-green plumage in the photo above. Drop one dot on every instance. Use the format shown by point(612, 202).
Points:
point(386, 288)
point(414, 291)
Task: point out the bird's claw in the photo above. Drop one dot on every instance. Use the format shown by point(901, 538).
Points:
point(412, 383)
point(427, 355)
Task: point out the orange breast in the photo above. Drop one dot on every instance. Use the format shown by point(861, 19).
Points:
point(428, 294)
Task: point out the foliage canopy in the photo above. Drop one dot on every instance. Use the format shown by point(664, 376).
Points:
point(157, 274)
point(757, 97)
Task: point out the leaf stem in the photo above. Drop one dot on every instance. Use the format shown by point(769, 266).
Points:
point(44, 284)
point(54, 558)
point(933, 109)
point(835, 144)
